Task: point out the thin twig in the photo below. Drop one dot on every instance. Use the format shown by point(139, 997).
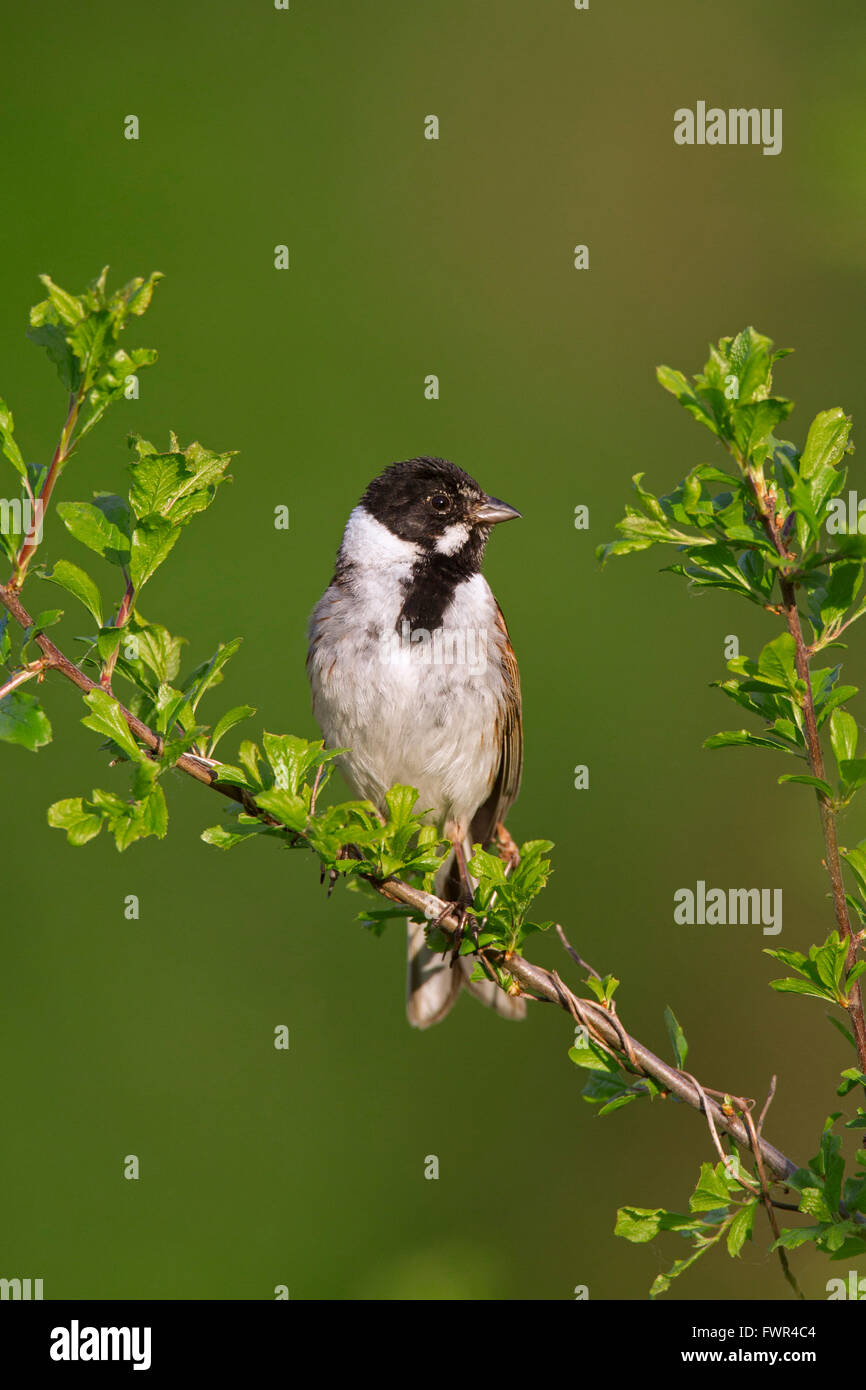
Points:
point(767, 1103)
point(27, 673)
point(61, 454)
point(584, 965)
point(768, 1204)
point(123, 613)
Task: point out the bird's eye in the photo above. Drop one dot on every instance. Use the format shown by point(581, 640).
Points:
point(440, 503)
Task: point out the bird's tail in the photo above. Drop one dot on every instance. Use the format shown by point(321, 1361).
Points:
point(432, 984)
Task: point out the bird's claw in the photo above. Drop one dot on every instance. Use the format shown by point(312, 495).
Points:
point(467, 924)
point(344, 852)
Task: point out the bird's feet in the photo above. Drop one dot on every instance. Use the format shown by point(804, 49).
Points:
point(467, 925)
point(345, 852)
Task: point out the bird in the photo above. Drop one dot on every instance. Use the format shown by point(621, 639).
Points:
point(413, 672)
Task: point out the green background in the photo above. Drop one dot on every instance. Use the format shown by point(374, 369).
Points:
point(410, 257)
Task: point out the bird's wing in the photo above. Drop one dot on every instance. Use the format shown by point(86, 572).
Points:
point(509, 733)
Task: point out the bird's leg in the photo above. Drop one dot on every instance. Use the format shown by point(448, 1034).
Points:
point(468, 893)
point(344, 852)
point(506, 846)
point(465, 880)
point(458, 911)
point(314, 793)
point(508, 852)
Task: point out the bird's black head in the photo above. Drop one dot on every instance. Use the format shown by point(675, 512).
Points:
point(434, 504)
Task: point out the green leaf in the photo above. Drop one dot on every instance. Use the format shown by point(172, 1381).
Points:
point(713, 1190)
point(837, 696)
point(740, 1229)
point(793, 1239)
point(221, 837)
point(839, 594)
point(647, 529)
point(108, 640)
point(604, 552)
point(594, 1058)
point(822, 969)
point(249, 758)
point(755, 421)
point(840, 1028)
point(649, 501)
point(642, 1224)
point(178, 484)
point(853, 773)
point(843, 735)
point(228, 721)
point(817, 782)
point(53, 339)
point(154, 813)
point(751, 356)
point(856, 861)
point(730, 738)
point(62, 307)
point(292, 759)
point(776, 661)
point(679, 386)
point(73, 816)
point(24, 721)
point(677, 1038)
point(154, 659)
point(790, 986)
point(105, 718)
point(152, 540)
point(76, 582)
point(7, 440)
point(89, 524)
point(605, 989)
point(157, 480)
point(400, 802)
point(826, 442)
point(80, 334)
point(288, 807)
point(209, 673)
point(49, 617)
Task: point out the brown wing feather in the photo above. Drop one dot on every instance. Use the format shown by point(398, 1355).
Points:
point(509, 732)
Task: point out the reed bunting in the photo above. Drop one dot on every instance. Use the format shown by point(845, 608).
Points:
point(412, 670)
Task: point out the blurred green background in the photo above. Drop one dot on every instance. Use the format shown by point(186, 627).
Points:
point(410, 257)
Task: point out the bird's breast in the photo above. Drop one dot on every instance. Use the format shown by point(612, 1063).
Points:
point(414, 706)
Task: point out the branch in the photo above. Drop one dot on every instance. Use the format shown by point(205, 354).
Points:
point(600, 1022)
point(61, 454)
point(26, 673)
point(55, 660)
point(765, 503)
point(123, 613)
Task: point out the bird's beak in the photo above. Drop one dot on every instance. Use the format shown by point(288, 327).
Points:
point(492, 510)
